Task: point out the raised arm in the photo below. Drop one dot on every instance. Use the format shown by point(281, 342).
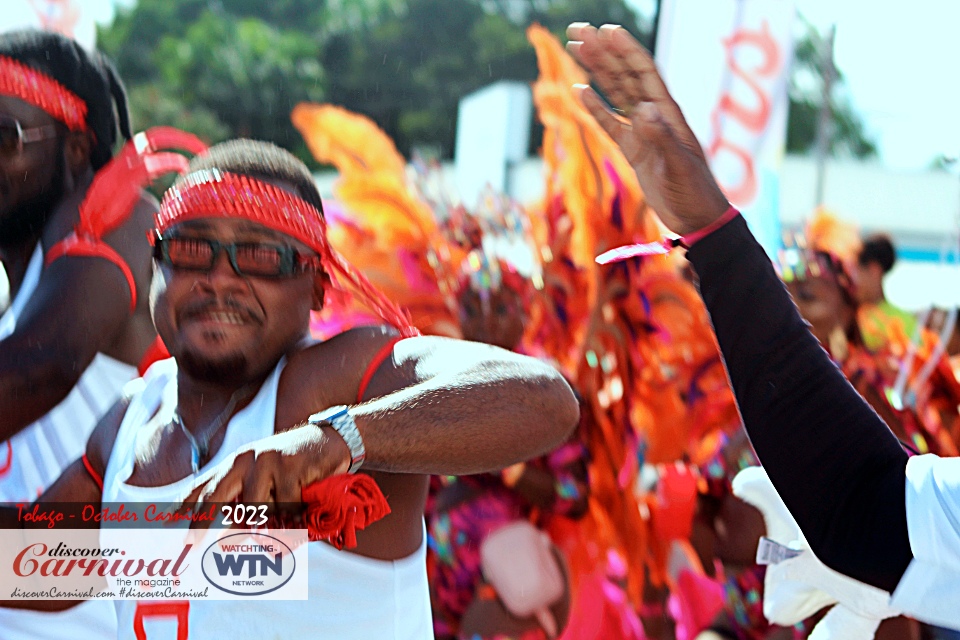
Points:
point(836, 465)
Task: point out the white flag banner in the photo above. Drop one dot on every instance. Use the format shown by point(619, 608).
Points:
point(73, 18)
point(727, 63)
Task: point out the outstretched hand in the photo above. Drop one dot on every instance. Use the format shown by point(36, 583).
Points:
point(649, 128)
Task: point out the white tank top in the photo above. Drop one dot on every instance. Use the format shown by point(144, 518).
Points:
point(31, 460)
point(350, 596)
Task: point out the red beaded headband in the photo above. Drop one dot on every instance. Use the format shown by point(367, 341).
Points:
point(219, 194)
point(40, 90)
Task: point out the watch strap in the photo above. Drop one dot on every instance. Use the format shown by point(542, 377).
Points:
point(340, 420)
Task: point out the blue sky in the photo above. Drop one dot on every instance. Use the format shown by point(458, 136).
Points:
point(897, 59)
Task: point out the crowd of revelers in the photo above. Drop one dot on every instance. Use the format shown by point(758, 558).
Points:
point(445, 350)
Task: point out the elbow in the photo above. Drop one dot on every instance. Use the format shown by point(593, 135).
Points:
point(561, 409)
point(62, 373)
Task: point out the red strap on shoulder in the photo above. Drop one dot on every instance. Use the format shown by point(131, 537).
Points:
point(156, 352)
point(93, 472)
point(74, 245)
point(115, 190)
point(378, 359)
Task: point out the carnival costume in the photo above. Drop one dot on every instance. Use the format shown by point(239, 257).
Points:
point(409, 237)
point(634, 341)
point(910, 385)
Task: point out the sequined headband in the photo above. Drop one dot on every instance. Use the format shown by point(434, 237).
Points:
point(798, 262)
point(40, 90)
point(219, 194)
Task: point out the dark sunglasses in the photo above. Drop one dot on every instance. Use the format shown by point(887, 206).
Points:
point(246, 258)
point(13, 136)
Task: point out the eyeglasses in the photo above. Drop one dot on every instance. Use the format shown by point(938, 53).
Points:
point(13, 136)
point(247, 258)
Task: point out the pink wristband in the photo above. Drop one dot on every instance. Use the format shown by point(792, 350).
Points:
point(689, 240)
point(667, 244)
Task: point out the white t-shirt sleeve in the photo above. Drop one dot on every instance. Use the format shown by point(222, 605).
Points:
point(930, 588)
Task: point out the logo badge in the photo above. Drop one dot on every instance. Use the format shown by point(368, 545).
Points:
point(248, 564)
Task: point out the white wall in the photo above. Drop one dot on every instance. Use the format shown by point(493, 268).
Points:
point(918, 209)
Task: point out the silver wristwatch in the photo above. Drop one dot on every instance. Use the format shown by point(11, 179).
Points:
point(343, 423)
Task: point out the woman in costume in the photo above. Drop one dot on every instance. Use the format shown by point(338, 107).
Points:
point(917, 398)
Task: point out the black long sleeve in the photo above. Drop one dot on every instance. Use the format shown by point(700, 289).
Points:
point(837, 466)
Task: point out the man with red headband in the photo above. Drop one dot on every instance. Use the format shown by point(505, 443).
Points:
point(70, 338)
point(867, 509)
point(242, 260)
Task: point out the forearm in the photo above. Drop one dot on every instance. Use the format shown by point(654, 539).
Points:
point(480, 418)
point(63, 502)
point(12, 521)
point(10, 517)
point(31, 385)
point(836, 465)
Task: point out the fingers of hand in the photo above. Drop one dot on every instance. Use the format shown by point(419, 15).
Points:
point(228, 484)
point(627, 74)
point(607, 119)
point(622, 131)
point(607, 70)
point(287, 488)
point(636, 64)
point(190, 501)
point(260, 478)
point(646, 83)
point(574, 30)
point(577, 33)
point(599, 53)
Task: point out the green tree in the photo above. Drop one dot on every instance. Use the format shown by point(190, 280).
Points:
point(236, 67)
point(154, 106)
point(409, 73)
point(215, 72)
point(248, 72)
point(849, 137)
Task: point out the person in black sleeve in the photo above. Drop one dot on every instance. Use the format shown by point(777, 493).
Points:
point(865, 510)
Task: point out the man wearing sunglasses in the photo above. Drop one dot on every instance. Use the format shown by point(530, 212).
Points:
point(249, 408)
point(69, 339)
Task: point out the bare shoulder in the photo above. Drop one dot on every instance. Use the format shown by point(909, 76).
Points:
point(131, 236)
point(330, 372)
point(354, 347)
point(145, 209)
point(62, 220)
